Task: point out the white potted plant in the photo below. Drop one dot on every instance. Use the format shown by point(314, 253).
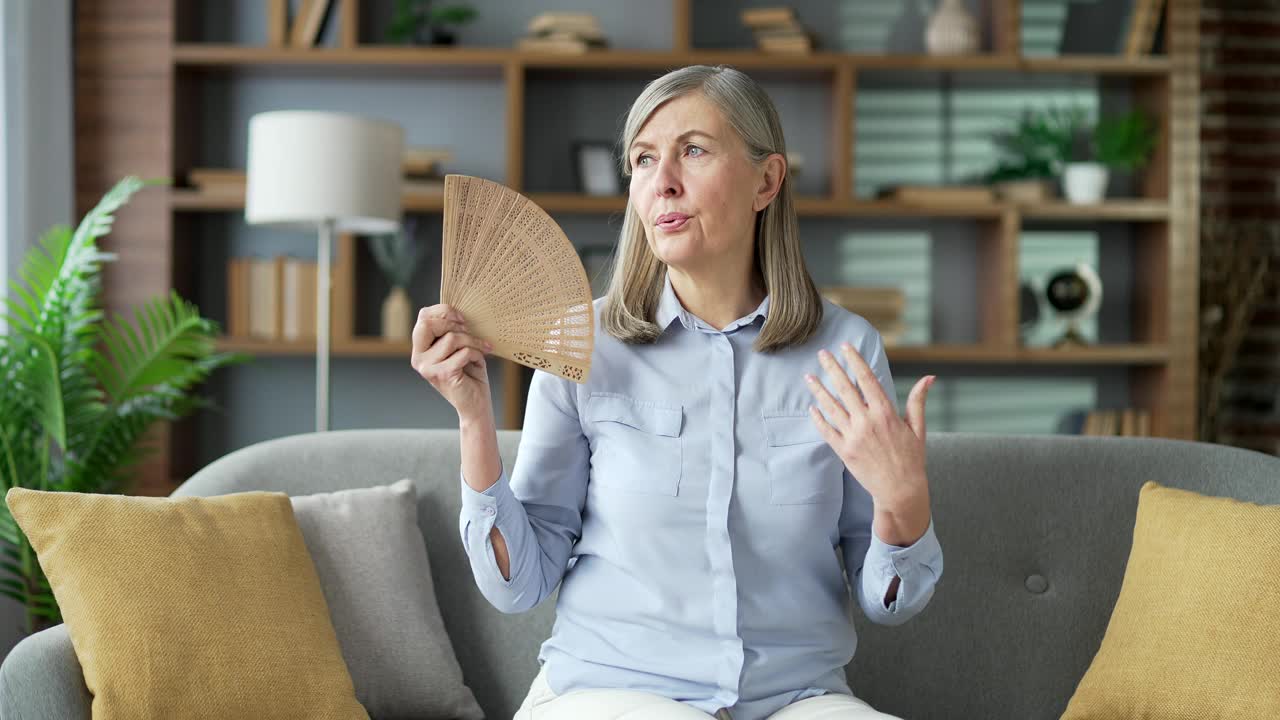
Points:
point(1031, 154)
point(1121, 143)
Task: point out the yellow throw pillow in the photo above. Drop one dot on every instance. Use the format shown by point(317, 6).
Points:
point(1195, 632)
point(190, 607)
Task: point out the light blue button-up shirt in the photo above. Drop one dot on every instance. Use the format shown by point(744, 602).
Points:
point(691, 513)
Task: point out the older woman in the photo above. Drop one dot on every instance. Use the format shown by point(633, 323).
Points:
point(735, 431)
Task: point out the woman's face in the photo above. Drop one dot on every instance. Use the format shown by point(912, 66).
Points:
point(693, 186)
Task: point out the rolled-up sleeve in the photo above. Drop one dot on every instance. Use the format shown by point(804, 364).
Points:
point(538, 508)
point(919, 566)
point(870, 562)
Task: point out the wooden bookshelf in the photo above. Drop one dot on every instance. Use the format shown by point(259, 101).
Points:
point(187, 200)
point(130, 76)
point(1125, 355)
point(210, 55)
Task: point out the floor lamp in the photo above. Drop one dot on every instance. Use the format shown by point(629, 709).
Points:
point(324, 172)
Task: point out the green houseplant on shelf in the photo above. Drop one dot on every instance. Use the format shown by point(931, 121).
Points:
point(417, 22)
point(1033, 153)
point(1121, 142)
point(78, 390)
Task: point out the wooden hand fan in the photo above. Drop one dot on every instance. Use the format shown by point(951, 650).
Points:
point(515, 277)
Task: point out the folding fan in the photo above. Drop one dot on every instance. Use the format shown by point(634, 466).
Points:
point(515, 277)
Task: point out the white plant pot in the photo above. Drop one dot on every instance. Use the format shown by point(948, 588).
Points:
point(1085, 183)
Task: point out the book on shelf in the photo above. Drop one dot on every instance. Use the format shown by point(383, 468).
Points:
point(777, 30)
point(417, 187)
point(309, 21)
point(768, 17)
point(786, 41)
point(272, 298)
point(1125, 422)
point(264, 293)
point(217, 181)
point(547, 22)
point(939, 194)
point(558, 43)
point(425, 160)
point(238, 297)
point(278, 23)
point(883, 307)
point(298, 300)
point(1144, 21)
point(563, 32)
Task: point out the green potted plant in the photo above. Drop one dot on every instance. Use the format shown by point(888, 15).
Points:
point(397, 255)
point(1117, 142)
point(1034, 152)
point(417, 22)
point(79, 389)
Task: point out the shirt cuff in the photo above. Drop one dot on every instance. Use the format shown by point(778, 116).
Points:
point(904, 561)
point(493, 504)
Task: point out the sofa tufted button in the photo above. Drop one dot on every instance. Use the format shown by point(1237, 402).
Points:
point(1037, 584)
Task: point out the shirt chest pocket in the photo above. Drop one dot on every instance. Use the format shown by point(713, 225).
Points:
point(803, 469)
point(637, 445)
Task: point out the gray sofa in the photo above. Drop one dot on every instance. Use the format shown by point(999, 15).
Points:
point(1036, 532)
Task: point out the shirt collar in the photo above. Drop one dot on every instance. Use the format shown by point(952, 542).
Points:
point(670, 308)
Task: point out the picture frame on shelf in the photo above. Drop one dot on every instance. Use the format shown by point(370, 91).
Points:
point(596, 170)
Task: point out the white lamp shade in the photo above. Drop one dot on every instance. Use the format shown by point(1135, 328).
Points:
point(306, 167)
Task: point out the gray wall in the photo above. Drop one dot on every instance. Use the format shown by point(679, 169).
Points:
point(897, 114)
point(36, 187)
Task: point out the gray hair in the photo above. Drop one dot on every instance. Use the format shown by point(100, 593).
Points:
point(795, 307)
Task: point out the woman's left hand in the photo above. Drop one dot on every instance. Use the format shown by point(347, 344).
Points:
point(884, 452)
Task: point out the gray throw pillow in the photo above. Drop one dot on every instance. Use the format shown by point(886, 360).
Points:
point(372, 561)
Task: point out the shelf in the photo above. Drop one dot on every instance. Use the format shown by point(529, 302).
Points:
point(218, 55)
point(1135, 210)
point(977, 354)
point(357, 347)
point(184, 200)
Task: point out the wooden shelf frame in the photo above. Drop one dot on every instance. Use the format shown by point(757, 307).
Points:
point(210, 55)
point(1137, 210)
point(129, 78)
point(1122, 355)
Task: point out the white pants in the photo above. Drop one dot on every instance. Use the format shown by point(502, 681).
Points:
point(543, 704)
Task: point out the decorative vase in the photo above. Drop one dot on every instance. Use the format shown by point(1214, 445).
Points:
point(951, 30)
point(1085, 183)
point(397, 315)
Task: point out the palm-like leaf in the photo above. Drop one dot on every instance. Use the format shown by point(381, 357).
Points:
point(71, 417)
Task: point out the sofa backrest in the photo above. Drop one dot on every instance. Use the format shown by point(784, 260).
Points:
point(1035, 531)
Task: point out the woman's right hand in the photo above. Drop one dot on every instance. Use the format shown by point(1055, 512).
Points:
point(452, 360)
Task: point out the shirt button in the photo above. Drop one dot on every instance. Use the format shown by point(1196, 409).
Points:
point(1037, 584)
point(490, 511)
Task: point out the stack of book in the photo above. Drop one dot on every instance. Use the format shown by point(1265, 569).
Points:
point(563, 32)
point(423, 172)
point(222, 182)
point(271, 298)
point(938, 194)
point(1128, 422)
point(777, 30)
point(883, 307)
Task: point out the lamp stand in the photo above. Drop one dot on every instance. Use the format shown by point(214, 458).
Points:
point(323, 282)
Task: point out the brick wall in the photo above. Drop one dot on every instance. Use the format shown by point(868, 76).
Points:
point(1240, 161)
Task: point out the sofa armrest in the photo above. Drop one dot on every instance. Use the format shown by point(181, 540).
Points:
point(41, 679)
